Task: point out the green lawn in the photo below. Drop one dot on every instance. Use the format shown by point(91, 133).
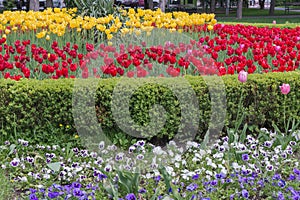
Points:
point(261, 20)
point(252, 15)
point(6, 190)
point(255, 12)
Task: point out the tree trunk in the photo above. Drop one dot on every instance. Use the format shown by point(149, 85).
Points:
point(272, 7)
point(163, 5)
point(239, 11)
point(203, 3)
point(213, 6)
point(150, 4)
point(227, 7)
point(146, 4)
point(262, 4)
point(34, 5)
point(49, 3)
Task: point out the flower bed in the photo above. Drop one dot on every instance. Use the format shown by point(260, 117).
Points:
point(247, 168)
point(59, 44)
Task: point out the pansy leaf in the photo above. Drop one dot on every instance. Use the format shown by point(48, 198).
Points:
point(54, 166)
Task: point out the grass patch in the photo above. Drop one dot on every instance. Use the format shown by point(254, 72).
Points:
point(6, 189)
point(255, 12)
point(261, 24)
point(293, 22)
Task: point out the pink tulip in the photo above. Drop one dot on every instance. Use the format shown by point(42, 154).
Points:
point(277, 48)
point(243, 76)
point(274, 22)
point(285, 88)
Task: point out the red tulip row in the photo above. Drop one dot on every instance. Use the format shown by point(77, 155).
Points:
point(228, 49)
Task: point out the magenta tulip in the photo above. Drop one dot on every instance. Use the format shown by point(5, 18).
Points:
point(243, 76)
point(285, 88)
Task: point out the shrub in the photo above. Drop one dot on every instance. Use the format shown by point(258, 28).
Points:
point(46, 106)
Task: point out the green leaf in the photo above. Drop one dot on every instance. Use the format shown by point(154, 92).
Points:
point(12, 147)
point(243, 135)
point(54, 166)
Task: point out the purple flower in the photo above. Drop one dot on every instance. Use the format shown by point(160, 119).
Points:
point(76, 185)
point(220, 176)
point(33, 197)
point(102, 176)
point(245, 194)
point(280, 196)
point(15, 162)
point(53, 195)
point(77, 192)
point(142, 191)
point(214, 182)
point(297, 171)
point(245, 157)
point(292, 177)
point(281, 183)
point(68, 188)
point(192, 187)
point(195, 177)
point(141, 143)
point(157, 178)
point(130, 196)
point(276, 177)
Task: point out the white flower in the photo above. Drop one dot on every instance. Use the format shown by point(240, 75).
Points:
point(218, 155)
point(190, 144)
point(177, 157)
point(40, 186)
point(101, 145)
point(24, 179)
point(170, 152)
point(209, 173)
point(158, 151)
point(224, 171)
point(46, 176)
point(78, 169)
point(148, 176)
point(236, 166)
point(177, 165)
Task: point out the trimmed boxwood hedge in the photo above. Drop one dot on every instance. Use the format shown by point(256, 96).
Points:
point(45, 106)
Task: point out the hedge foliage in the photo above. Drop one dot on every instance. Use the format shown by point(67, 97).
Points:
point(151, 107)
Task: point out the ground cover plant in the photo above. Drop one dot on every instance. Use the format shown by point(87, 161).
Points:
point(238, 164)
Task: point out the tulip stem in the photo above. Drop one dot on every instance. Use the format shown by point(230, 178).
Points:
point(284, 105)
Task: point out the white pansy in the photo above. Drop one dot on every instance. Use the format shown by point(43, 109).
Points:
point(218, 155)
point(236, 165)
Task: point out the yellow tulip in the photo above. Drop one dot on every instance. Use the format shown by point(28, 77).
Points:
point(109, 36)
point(210, 27)
point(7, 31)
point(41, 34)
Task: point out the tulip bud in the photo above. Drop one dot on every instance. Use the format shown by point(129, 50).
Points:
point(285, 88)
point(243, 76)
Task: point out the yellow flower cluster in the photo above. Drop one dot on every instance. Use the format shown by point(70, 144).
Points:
point(58, 21)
